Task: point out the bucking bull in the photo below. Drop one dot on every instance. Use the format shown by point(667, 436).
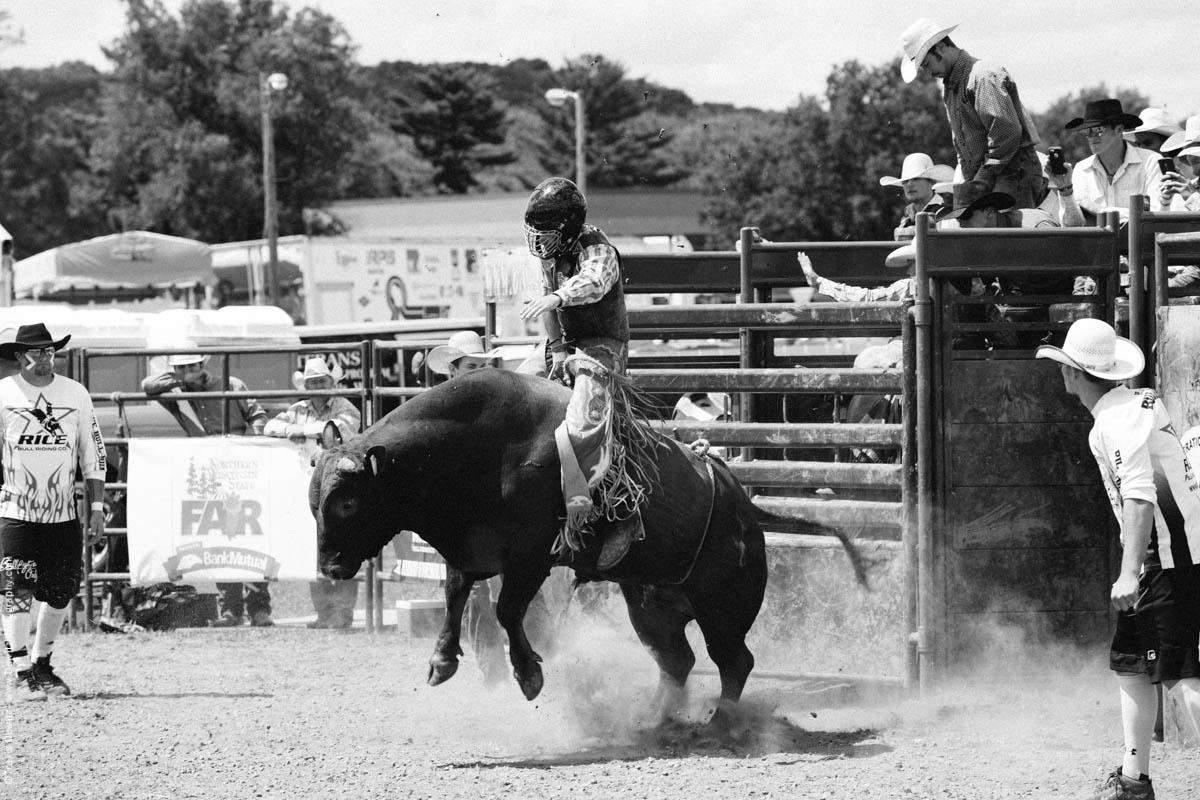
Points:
point(471, 465)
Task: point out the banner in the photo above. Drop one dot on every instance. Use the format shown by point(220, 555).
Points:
point(219, 509)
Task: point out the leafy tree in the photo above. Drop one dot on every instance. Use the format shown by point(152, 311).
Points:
point(47, 128)
point(457, 125)
point(814, 174)
point(622, 145)
point(182, 150)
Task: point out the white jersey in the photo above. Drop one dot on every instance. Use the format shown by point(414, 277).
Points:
point(46, 431)
point(1140, 458)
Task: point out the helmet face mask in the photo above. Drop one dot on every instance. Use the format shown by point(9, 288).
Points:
point(554, 217)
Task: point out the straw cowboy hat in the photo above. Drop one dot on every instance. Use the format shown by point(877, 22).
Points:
point(916, 41)
point(315, 368)
point(1103, 112)
point(1154, 120)
point(1189, 135)
point(463, 343)
point(971, 196)
point(1094, 347)
point(31, 337)
point(919, 165)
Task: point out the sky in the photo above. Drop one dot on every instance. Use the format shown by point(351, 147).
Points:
point(759, 53)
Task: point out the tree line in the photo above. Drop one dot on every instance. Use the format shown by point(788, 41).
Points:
point(170, 138)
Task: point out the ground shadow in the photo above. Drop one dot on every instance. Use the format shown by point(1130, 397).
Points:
point(164, 695)
point(745, 738)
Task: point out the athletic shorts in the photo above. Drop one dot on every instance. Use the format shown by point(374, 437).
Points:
point(43, 557)
point(1160, 637)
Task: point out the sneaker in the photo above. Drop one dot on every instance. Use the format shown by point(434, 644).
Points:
point(27, 687)
point(261, 619)
point(226, 620)
point(1118, 787)
point(51, 684)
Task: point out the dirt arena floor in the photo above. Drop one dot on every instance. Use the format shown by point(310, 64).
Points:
point(293, 713)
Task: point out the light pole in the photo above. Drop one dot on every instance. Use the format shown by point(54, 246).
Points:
point(270, 85)
point(556, 97)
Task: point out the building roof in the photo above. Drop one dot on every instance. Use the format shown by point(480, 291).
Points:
point(498, 216)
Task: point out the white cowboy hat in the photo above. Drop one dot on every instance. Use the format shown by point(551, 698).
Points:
point(702, 406)
point(183, 359)
point(463, 343)
point(948, 186)
point(315, 368)
point(902, 256)
point(919, 165)
point(916, 41)
point(1189, 135)
point(1154, 120)
point(1094, 347)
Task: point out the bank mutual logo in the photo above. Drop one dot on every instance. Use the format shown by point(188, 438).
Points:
point(196, 558)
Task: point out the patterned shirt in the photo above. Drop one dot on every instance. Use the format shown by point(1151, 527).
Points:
point(1141, 458)
point(903, 290)
point(599, 270)
point(987, 120)
point(338, 410)
point(47, 430)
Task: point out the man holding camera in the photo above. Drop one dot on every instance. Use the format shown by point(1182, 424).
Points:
point(994, 135)
point(1116, 170)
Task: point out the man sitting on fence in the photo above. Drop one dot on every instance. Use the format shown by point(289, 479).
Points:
point(302, 423)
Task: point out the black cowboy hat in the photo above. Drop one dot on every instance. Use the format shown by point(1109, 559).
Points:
point(971, 196)
point(31, 337)
point(1104, 112)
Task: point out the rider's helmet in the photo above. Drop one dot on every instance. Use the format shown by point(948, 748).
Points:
point(554, 217)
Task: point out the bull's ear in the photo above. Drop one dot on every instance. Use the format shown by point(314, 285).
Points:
point(375, 460)
point(330, 435)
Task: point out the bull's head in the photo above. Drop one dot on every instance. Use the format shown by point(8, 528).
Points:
point(349, 501)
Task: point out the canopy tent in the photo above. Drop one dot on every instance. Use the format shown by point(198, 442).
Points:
point(131, 260)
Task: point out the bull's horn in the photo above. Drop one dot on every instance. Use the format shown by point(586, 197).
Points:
point(348, 464)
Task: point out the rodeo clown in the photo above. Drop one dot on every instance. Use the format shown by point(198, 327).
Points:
point(583, 309)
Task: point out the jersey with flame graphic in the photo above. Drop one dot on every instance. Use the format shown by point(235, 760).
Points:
point(46, 431)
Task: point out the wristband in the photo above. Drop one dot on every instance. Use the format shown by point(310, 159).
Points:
point(1066, 192)
point(97, 505)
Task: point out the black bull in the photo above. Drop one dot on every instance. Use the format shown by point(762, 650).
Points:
point(471, 466)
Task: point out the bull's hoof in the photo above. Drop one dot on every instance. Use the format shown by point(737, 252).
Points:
point(441, 669)
point(531, 682)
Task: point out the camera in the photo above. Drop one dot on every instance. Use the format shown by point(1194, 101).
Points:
point(1166, 165)
point(1057, 165)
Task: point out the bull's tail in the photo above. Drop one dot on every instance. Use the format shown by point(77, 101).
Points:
point(859, 562)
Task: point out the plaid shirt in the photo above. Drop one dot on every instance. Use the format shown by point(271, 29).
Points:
point(987, 120)
point(903, 290)
point(599, 271)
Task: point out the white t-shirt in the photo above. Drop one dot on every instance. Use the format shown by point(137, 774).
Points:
point(46, 431)
point(1140, 458)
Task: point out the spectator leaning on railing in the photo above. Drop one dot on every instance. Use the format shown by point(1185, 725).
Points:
point(204, 417)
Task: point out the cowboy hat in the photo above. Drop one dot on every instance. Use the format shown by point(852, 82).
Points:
point(902, 256)
point(972, 196)
point(916, 41)
point(1189, 135)
point(1094, 347)
point(315, 368)
point(463, 343)
point(1103, 112)
point(1154, 120)
point(31, 337)
point(919, 165)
